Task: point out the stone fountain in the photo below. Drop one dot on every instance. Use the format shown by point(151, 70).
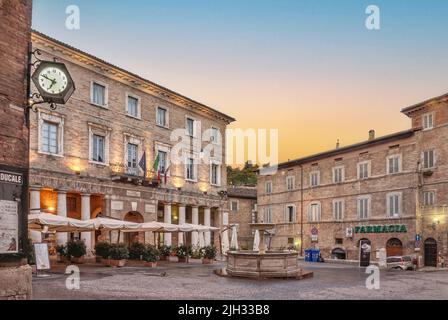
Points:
point(262, 263)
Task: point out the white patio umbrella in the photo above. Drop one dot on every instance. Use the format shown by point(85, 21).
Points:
point(225, 242)
point(55, 223)
point(201, 240)
point(256, 246)
point(234, 241)
point(112, 224)
point(188, 227)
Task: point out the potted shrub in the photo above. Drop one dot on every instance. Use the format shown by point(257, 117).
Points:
point(165, 252)
point(196, 254)
point(28, 250)
point(151, 256)
point(118, 253)
point(136, 251)
point(102, 251)
point(76, 250)
point(61, 252)
point(183, 252)
point(209, 254)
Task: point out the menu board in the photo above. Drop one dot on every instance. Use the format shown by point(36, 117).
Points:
point(9, 226)
point(42, 257)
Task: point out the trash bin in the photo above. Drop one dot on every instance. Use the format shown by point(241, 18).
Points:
point(315, 255)
point(308, 255)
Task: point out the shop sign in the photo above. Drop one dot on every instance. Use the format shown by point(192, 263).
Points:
point(400, 228)
point(9, 177)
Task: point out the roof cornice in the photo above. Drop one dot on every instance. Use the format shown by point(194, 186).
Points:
point(127, 76)
point(421, 105)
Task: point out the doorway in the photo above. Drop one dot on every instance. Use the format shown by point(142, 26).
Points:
point(394, 247)
point(430, 252)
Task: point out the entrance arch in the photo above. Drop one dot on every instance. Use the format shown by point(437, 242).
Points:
point(394, 247)
point(131, 237)
point(338, 253)
point(430, 252)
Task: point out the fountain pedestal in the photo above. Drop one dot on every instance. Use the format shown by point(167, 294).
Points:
point(263, 264)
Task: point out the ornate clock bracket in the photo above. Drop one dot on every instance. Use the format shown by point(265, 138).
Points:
point(35, 98)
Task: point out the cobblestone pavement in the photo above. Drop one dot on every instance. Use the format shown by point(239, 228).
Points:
point(196, 281)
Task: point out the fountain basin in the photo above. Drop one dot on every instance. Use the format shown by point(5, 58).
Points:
point(271, 264)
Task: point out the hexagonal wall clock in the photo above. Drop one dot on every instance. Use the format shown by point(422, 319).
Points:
point(54, 82)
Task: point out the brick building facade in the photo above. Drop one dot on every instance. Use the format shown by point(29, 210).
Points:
point(243, 212)
point(391, 191)
point(86, 156)
point(15, 24)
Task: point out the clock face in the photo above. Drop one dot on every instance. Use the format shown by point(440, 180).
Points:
point(53, 80)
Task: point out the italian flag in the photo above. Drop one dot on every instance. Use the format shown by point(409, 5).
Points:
point(156, 166)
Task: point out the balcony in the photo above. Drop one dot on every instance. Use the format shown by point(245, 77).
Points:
point(133, 175)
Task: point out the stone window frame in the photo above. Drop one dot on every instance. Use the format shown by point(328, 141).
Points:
point(167, 117)
point(434, 159)
point(317, 173)
point(237, 205)
point(160, 146)
point(342, 167)
point(267, 212)
point(434, 192)
point(269, 182)
point(400, 204)
point(293, 184)
point(369, 207)
point(369, 169)
point(106, 94)
point(319, 213)
point(218, 142)
point(218, 163)
point(431, 114)
point(139, 105)
point(342, 201)
point(104, 131)
point(195, 126)
point(286, 213)
point(132, 139)
point(194, 156)
point(56, 119)
point(400, 163)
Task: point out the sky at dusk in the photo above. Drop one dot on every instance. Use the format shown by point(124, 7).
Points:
point(308, 68)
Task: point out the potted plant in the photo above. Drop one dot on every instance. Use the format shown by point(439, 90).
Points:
point(183, 252)
point(208, 254)
point(196, 254)
point(151, 256)
point(61, 252)
point(28, 250)
point(102, 251)
point(118, 253)
point(165, 252)
point(76, 250)
point(136, 251)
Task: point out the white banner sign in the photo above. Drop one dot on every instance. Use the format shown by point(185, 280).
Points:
point(9, 226)
point(42, 257)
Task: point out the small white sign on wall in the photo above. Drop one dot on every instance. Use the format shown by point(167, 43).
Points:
point(116, 205)
point(150, 208)
point(131, 193)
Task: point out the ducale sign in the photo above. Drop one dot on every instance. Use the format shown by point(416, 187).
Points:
point(382, 228)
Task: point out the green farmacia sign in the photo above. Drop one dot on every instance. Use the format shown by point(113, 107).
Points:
point(382, 228)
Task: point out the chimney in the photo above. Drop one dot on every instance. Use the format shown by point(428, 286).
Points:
point(371, 134)
point(337, 144)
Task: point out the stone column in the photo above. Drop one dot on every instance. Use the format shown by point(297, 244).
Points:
point(167, 219)
point(181, 221)
point(207, 223)
point(85, 215)
point(62, 211)
point(195, 220)
point(225, 234)
point(35, 236)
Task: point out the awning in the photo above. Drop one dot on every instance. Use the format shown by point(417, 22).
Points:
point(112, 224)
point(57, 223)
point(170, 228)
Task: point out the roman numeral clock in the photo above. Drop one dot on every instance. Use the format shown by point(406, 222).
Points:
point(54, 83)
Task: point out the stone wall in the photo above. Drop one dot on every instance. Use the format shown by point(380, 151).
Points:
point(15, 283)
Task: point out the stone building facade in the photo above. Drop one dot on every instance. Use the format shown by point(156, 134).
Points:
point(87, 157)
point(243, 212)
point(390, 191)
point(15, 24)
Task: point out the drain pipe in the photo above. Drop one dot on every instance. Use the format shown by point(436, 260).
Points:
point(301, 210)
